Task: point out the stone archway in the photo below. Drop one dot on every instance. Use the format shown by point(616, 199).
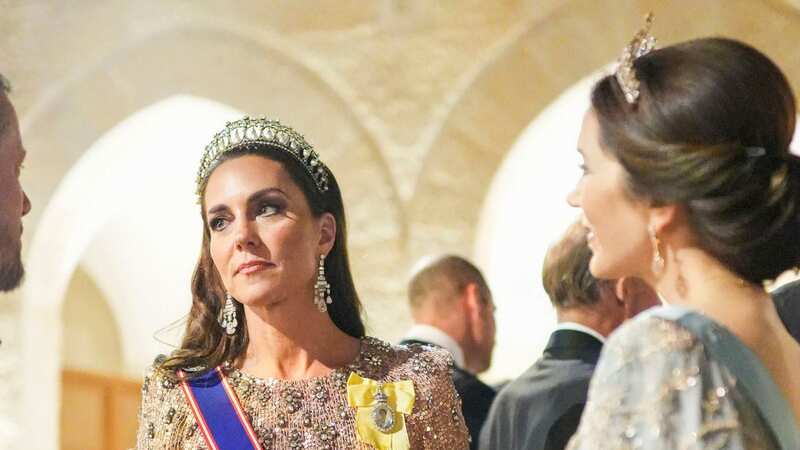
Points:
point(534, 66)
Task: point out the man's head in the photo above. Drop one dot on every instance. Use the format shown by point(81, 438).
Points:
point(579, 297)
point(451, 294)
point(13, 202)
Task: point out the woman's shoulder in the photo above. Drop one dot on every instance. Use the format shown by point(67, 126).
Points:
point(654, 340)
point(160, 389)
point(164, 414)
point(412, 361)
point(660, 368)
point(436, 420)
point(657, 329)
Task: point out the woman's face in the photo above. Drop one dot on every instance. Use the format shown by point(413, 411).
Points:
point(264, 241)
point(617, 224)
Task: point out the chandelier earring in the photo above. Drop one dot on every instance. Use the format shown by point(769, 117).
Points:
point(227, 316)
point(322, 289)
point(657, 265)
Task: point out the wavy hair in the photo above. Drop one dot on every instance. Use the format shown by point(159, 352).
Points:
point(205, 344)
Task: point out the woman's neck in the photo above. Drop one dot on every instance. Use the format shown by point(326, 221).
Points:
point(698, 281)
point(292, 341)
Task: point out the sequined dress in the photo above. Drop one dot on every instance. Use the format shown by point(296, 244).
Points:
point(659, 386)
point(314, 414)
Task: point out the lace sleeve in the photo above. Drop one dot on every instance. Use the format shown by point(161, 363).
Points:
point(656, 387)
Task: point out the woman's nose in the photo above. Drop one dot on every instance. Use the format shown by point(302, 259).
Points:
point(246, 236)
point(26, 204)
point(573, 198)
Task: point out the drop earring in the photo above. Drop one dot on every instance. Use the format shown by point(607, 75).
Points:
point(227, 316)
point(322, 289)
point(657, 266)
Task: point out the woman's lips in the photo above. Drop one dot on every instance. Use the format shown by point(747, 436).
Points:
point(253, 267)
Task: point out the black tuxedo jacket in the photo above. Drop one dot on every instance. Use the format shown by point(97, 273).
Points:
point(476, 396)
point(542, 408)
point(787, 302)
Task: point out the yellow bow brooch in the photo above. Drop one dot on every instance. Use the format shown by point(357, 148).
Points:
point(381, 407)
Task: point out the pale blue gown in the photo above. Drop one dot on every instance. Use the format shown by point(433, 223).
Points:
point(675, 379)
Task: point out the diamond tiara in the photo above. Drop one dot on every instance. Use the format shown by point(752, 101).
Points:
point(249, 130)
point(641, 44)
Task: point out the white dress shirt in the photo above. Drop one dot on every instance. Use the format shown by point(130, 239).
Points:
point(582, 328)
point(439, 338)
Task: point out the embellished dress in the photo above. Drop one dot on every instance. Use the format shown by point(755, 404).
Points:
point(674, 379)
point(314, 413)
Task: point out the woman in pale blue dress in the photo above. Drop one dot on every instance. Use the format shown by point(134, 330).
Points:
point(689, 184)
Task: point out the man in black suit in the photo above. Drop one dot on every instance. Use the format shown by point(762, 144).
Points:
point(542, 408)
point(452, 307)
point(787, 302)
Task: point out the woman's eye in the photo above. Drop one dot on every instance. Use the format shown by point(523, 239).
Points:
point(217, 224)
point(584, 169)
point(267, 210)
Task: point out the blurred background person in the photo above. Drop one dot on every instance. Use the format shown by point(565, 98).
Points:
point(14, 204)
point(542, 408)
point(689, 184)
point(453, 309)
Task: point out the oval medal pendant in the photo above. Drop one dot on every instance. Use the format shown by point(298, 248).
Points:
point(382, 413)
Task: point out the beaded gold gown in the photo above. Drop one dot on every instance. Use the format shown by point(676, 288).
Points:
point(314, 413)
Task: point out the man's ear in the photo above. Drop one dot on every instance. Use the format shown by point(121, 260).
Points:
point(620, 289)
point(637, 296)
point(625, 289)
point(327, 233)
point(473, 304)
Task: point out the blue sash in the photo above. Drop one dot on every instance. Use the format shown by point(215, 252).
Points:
point(752, 377)
point(218, 412)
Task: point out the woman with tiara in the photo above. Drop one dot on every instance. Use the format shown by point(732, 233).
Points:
point(689, 184)
point(274, 354)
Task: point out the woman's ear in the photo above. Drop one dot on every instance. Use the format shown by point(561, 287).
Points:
point(663, 218)
point(327, 233)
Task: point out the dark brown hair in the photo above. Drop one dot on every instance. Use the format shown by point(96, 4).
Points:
point(5, 85)
point(5, 89)
point(565, 272)
point(446, 276)
point(711, 132)
point(204, 343)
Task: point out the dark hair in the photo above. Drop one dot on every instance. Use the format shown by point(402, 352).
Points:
point(5, 89)
point(204, 342)
point(5, 85)
point(565, 273)
point(446, 276)
point(711, 132)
